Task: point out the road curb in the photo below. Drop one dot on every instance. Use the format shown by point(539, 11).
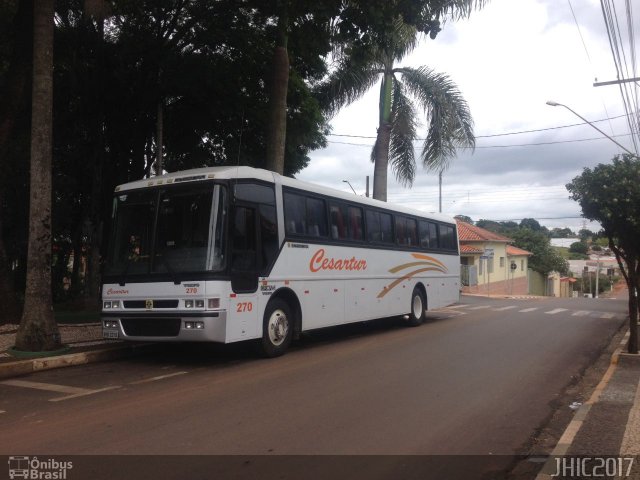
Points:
point(24, 367)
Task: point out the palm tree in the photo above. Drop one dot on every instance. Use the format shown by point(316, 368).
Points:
point(450, 125)
point(38, 330)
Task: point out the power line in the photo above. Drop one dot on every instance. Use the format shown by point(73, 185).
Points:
point(608, 119)
point(575, 19)
point(495, 146)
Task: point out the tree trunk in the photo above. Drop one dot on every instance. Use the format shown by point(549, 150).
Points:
point(381, 147)
point(381, 166)
point(277, 128)
point(632, 285)
point(38, 330)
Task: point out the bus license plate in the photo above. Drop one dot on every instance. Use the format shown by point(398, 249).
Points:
point(110, 334)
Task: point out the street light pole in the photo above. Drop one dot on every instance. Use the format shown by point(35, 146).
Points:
point(556, 104)
point(347, 182)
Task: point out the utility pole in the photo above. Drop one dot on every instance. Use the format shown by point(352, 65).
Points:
point(440, 192)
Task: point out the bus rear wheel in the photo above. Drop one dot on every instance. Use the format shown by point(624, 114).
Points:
point(418, 306)
point(277, 328)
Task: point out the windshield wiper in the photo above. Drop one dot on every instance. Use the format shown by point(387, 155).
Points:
point(172, 272)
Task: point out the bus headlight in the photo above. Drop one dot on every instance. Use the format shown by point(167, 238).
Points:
point(110, 324)
point(213, 303)
point(188, 304)
point(110, 304)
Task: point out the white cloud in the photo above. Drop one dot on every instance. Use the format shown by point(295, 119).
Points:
point(508, 60)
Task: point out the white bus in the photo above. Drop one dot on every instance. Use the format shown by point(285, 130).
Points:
point(227, 254)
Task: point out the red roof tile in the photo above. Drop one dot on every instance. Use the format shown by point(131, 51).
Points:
point(515, 251)
point(470, 249)
point(471, 233)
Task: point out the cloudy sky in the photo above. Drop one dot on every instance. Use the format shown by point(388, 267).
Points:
point(508, 60)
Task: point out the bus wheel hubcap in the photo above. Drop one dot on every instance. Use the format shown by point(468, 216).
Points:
point(278, 327)
point(417, 306)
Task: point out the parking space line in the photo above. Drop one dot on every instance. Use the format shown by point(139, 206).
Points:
point(83, 394)
point(50, 387)
point(155, 379)
point(72, 392)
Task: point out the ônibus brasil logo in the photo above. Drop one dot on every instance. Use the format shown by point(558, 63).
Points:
point(33, 468)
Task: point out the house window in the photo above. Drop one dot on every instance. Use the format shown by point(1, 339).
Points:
point(490, 265)
point(481, 266)
point(522, 265)
point(501, 262)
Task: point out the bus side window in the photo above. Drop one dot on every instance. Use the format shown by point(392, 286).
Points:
point(386, 228)
point(316, 217)
point(294, 213)
point(355, 223)
point(373, 226)
point(338, 230)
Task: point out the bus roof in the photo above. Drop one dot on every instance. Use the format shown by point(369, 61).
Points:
point(231, 172)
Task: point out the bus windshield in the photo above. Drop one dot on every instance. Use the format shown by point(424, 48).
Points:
point(168, 231)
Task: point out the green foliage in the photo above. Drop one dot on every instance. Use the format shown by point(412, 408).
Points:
point(579, 247)
point(465, 219)
point(610, 194)
point(561, 233)
point(544, 259)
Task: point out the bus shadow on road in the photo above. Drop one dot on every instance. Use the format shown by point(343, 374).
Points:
point(208, 354)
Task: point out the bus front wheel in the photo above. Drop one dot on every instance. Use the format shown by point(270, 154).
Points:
point(418, 306)
point(277, 328)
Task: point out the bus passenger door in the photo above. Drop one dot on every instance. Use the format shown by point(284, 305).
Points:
point(242, 321)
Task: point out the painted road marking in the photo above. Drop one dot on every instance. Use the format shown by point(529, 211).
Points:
point(83, 394)
point(607, 315)
point(528, 310)
point(50, 387)
point(464, 305)
point(73, 392)
point(581, 313)
point(155, 379)
point(502, 309)
point(480, 307)
point(557, 310)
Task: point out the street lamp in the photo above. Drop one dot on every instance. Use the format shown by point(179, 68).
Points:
point(556, 104)
point(347, 182)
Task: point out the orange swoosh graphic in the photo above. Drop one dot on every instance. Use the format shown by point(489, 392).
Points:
point(430, 265)
point(395, 283)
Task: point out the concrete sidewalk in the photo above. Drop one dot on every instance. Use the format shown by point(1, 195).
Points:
point(607, 426)
point(85, 345)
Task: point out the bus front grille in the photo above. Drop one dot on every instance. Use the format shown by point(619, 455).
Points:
point(156, 304)
point(151, 327)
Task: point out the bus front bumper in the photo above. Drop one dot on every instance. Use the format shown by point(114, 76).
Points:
point(160, 327)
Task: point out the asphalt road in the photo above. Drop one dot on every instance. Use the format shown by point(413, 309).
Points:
point(476, 380)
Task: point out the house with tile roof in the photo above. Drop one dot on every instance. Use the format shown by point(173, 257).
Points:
point(490, 264)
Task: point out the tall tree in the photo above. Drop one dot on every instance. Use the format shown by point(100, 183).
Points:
point(450, 125)
point(38, 330)
point(610, 195)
